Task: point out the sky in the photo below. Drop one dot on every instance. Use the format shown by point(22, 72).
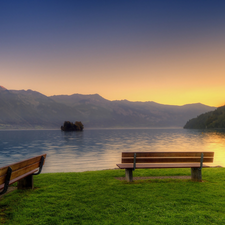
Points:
point(169, 52)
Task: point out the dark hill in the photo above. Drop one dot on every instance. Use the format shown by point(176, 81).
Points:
point(213, 119)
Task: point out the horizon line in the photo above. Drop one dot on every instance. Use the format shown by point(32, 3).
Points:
point(195, 103)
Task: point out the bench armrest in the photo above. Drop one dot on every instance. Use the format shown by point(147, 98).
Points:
point(134, 167)
point(41, 165)
point(201, 162)
point(7, 179)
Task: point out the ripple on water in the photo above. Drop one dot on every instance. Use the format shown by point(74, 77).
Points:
point(101, 149)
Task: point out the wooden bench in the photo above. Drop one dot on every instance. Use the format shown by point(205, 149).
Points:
point(21, 172)
point(158, 160)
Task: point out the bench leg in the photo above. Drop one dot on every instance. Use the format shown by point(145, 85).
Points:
point(196, 174)
point(26, 183)
point(129, 175)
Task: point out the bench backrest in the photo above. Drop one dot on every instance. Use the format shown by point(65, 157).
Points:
point(20, 169)
point(167, 157)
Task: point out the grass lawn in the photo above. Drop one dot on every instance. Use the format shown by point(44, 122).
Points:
point(98, 198)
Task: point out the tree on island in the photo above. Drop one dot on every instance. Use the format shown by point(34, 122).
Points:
point(68, 126)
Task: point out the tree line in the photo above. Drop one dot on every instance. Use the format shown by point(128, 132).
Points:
point(214, 119)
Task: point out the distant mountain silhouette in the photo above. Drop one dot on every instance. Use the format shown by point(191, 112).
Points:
point(31, 109)
point(2, 88)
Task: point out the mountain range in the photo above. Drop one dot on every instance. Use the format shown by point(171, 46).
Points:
point(20, 109)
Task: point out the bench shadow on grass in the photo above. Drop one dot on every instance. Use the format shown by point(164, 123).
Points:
point(157, 179)
point(10, 189)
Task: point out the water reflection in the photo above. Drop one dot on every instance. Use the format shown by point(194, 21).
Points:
point(214, 140)
point(101, 149)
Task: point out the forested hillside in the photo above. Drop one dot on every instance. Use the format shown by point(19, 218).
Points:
point(213, 119)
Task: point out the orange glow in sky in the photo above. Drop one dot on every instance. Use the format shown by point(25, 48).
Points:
point(172, 61)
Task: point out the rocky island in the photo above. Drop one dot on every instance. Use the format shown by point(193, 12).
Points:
point(68, 126)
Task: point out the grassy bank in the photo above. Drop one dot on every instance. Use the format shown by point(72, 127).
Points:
point(98, 198)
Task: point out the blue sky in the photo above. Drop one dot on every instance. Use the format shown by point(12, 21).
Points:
point(170, 52)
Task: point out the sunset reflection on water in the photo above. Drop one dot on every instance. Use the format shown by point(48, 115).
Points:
point(99, 149)
point(215, 141)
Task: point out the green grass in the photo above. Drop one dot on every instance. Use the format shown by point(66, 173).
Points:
point(98, 198)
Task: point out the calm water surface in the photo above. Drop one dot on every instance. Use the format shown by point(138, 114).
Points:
point(98, 149)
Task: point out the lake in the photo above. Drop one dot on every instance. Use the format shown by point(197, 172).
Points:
point(97, 149)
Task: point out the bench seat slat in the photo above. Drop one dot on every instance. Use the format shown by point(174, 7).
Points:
point(20, 177)
point(25, 170)
point(16, 166)
point(24, 163)
point(168, 154)
point(160, 165)
point(165, 160)
point(20, 168)
point(162, 160)
point(21, 171)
